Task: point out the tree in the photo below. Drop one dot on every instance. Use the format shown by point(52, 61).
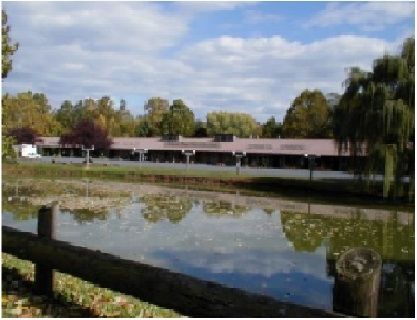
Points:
point(271, 129)
point(65, 115)
point(156, 107)
point(126, 122)
point(142, 127)
point(308, 117)
point(88, 134)
point(375, 118)
point(7, 150)
point(238, 124)
point(200, 129)
point(24, 135)
point(7, 48)
point(104, 114)
point(31, 110)
point(179, 120)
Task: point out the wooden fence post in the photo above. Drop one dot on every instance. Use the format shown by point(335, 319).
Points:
point(356, 287)
point(44, 275)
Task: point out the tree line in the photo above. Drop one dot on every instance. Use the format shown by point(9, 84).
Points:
point(373, 119)
point(308, 117)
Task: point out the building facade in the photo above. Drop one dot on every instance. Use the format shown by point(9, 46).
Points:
point(272, 153)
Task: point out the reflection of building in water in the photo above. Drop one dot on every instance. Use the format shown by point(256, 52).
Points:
point(84, 202)
point(123, 189)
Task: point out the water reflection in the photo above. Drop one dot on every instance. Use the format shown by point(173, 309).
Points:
point(283, 248)
point(160, 207)
point(391, 238)
point(221, 208)
point(23, 198)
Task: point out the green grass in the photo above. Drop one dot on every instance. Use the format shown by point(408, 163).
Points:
point(117, 170)
point(100, 302)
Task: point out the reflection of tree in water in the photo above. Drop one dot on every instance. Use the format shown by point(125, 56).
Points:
point(21, 210)
point(268, 211)
point(392, 240)
point(87, 215)
point(304, 231)
point(396, 294)
point(159, 207)
point(389, 238)
point(221, 208)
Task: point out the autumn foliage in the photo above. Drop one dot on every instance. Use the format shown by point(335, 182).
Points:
point(88, 134)
point(24, 135)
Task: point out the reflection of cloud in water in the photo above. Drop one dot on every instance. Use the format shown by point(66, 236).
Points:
point(254, 262)
point(271, 245)
point(296, 281)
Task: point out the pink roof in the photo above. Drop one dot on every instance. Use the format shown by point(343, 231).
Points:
point(324, 147)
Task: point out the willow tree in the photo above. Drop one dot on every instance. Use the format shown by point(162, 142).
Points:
point(375, 118)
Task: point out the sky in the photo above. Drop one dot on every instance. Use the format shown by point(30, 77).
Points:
point(252, 57)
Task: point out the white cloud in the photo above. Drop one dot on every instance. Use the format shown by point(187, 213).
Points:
point(72, 51)
point(367, 15)
point(264, 72)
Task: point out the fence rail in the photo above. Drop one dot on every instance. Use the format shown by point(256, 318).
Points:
point(185, 294)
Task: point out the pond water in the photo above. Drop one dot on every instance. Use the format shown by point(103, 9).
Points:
point(276, 246)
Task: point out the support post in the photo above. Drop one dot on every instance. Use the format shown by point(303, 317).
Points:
point(188, 160)
point(238, 164)
point(310, 164)
point(238, 157)
point(87, 160)
point(187, 154)
point(142, 153)
point(44, 275)
point(311, 158)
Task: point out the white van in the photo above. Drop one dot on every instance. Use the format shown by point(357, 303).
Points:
point(29, 151)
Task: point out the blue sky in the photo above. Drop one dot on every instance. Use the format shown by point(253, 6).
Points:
point(250, 57)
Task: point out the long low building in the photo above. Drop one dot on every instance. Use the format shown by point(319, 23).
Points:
point(218, 150)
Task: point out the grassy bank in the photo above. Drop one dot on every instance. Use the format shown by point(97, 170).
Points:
point(208, 180)
point(73, 297)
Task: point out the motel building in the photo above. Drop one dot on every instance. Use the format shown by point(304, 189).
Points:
point(219, 150)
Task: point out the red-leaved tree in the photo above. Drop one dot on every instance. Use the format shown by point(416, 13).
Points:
point(24, 135)
point(87, 133)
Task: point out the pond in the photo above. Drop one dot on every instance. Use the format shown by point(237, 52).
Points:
point(276, 246)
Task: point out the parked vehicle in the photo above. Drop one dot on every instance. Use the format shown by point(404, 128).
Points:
point(29, 151)
point(33, 156)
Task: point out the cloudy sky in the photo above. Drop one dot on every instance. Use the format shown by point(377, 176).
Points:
point(235, 56)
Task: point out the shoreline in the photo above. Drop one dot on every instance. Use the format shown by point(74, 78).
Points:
point(340, 190)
